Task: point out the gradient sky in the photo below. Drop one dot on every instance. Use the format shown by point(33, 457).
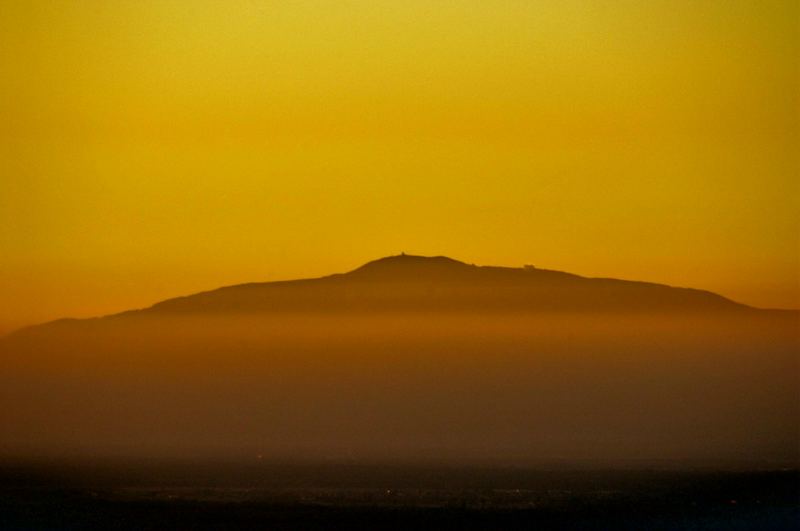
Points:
point(156, 148)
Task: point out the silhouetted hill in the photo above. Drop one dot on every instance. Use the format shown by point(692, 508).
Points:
point(410, 283)
point(417, 283)
point(414, 358)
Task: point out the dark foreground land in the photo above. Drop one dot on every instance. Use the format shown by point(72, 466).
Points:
point(299, 497)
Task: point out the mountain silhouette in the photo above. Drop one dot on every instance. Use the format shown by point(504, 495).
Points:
point(419, 283)
point(411, 357)
point(411, 283)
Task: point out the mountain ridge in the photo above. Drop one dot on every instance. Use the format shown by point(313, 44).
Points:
point(416, 283)
point(437, 273)
point(409, 358)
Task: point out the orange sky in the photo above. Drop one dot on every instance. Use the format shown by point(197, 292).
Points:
point(156, 148)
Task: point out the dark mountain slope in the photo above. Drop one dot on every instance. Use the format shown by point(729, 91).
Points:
point(416, 283)
point(411, 358)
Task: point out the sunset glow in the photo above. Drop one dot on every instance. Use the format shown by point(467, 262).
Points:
point(156, 148)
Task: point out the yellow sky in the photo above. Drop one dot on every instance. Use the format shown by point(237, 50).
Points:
point(154, 148)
